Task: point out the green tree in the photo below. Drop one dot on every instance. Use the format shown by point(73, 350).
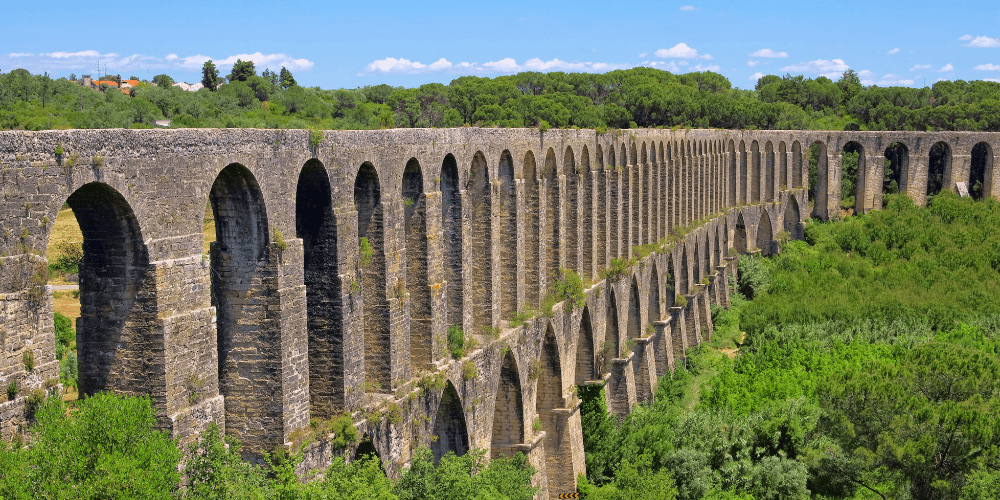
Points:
point(164, 81)
point(286, 78)
point(210, 75)
point(242, 71)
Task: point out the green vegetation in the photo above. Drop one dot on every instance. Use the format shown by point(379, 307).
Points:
point(108, 448)
point(637, 97)
point(566, 286)
point(869, 369)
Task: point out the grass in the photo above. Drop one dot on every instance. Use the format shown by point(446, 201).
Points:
point(68, 304)
point(208, 227)
point(704, 360)
point(64, 229)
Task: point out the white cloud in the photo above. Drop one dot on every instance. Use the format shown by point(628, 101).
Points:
point(946, 68)
point(894, 81)
point(171, 57)
point(391, 65)
point(752, 63)
point(981, 41)
point(688, 8)
point(681, 51)
point(866, 77)
point(920, 66)
point(73, 55)
point(992, 80)
point(756, 76)
point(710, 67)
point(768, 53)
point(86, 61)
point(987, 67)
point(273, 61)
point(829, 69)
point(893, 51)
point(965, 38)
point(642, 55)
point(20, 54)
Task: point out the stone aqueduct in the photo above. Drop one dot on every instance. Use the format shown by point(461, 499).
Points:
point(291, 316)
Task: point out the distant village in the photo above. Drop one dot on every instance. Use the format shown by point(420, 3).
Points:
point(126, 85)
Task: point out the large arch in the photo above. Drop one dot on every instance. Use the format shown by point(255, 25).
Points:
point(450, 431)
point(792, 219)
point(451, 226)
point(241, 266)
point(614, 212)
point(479, 192)
point(765, 235)
point(769, 168)
point(981, 171)
point(740, 236)
point(549, 399)
point(600, 176)
point(417, 281)
point(783, 180)
point(644, 193)
point(755, 172)
point(653, 304)
point(897, 160)
point(938, 167)
point(586, 368)
point(612, 335)
point(552, 220)
point(316, 226)
point(508, 412)
point(820, 190)
point(733, 170)
point(117, 344)
point(372, 271)
point(627, 225)
point(532, 269)
point(572, 215)
point(743, 181)
point(508, 228)
point(640, 371)
point(587, 217)
point(796, 165)
point(852, 180)
point(682, 273)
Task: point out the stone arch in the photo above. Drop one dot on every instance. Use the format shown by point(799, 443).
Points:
point(586, 368)
point(733, 173)
point(451, 226)
point(981, 171)
point(765, 235)
point(769, 171)
point(653, 304)
point(938, 167)
point(118, 347)
point(612, 336)
point(696, 264)
point(601, 223)
point(743, 181)
point(631, 190)
point(634, 329)
point(633, 156)
point(640, 370)
point(508, 411)
point(792, 218)
point(372, 271)
point(481, 247)
point(755, 172)
point(572, 213)
point(417, 282)
point(612, 160)
point(682, 274)
point(366, 450)
point(796, 181)
point(852, 183)
point(740, 236)
point(643, 155)
point(717, 247)
point(820, 192)
point(615, 212)
point(553, 224)
point(670, 290)
point(898, 157)
point(549, 400)
point(532, 270)
point(315, 225)
point(643, 193)
point(783, 181)
point(241, 273)
point(450, 429)
point(622, 156)
point(508, 228)
point(587, 216)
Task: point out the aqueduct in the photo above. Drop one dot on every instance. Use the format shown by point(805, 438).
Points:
point(339, 266)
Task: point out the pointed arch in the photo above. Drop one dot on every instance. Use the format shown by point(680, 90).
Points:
point(743, 180)
point(601, 222)
point(696, 264)
point(792, 219)
point(796, 181)
point(315, 224)
point(733, 177)
point(117, 345)
point(572, 212)
point(586, 368)
point(682, 273)
point(532, 270)
point(622, 156)
point(480, 195)
point(654, 295)
point(508, 410)
point(765, 236)
point(633, 157)
point(415, 234)
point(635, 331)
point(553, 224)
point(450, 429)
point(612, 157)
point(586, 177)
point(981, 171)
point(938, 168)
point(548, 402)
point(783, 181)
point(508, 241)
point(670, 292)
point(769, 168)
point(755, 172)
point(643, 193)
point(612, 336)
point(451, 226)
point(821, 191)
point(372, 271)
point(852, 180)
point(740, 236)
point(897, 172)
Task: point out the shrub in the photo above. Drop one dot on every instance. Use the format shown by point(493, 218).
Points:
point(566, 286)
point(469, 371)
point(366, 252)
point(456, 341)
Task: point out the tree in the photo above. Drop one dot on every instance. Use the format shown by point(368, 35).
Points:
point(242, 71)
point(163, 81)
point(210, 75)
point(287, 80)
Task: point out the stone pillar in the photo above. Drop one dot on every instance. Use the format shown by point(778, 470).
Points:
point(678, 335)
point(914, 177)
point(692, 320)
point(644, 367)
point(722, 285)
point(961, 165)
point(620, 388)
point(535, 452)
point(704, 312)
point(873, 184)
point(663, 350)
point(566, 439)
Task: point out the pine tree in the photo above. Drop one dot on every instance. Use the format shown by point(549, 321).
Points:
point(287, 80)
point(210, 76)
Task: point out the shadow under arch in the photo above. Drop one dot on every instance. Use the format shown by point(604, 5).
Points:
point(451, 226)
point(118, 348)
point(570, 173)
point(640, 369)
point(765, 234)
point(938, 168)
point(586, 368)
point(532, 229)
point(897, 172)
point(981, 171)
point(740, 235)
point(508, 411)
point(315, 224)
point(853, 176)
point(372, 270)
point(479, 191)
point(586, 217)
point(417, 280)
point(552, 219)
point(819, 191)
point(792, 219)
point(449, 425)
point(653, 303)
point(508, 233)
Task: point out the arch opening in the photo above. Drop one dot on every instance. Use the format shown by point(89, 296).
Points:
point(451, 226)
point(769, 167)
point(653, 305)
point(508, 228)
point(612, 338)
point(372, 272)
point(852, 180)
point(792, 220)
point(585, 363)
point(635, 331)
point(819, 180)
point(572, 214)
point(508, 412)
point(765, 236)
point(938, 167)
point(449, 426)
point(897, 160)
point(417, 281)
point(981, 169)
point(480, 195)
point(316, 226)
point(552, 219)
point(755, 172)
point(796, 165)
point(743, 181)
point(740, 236)
point(783, 180)
point(586, 217)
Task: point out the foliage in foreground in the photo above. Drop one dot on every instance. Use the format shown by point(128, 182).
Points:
point(108, 448)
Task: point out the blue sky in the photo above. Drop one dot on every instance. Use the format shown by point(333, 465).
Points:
point(336, 44)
